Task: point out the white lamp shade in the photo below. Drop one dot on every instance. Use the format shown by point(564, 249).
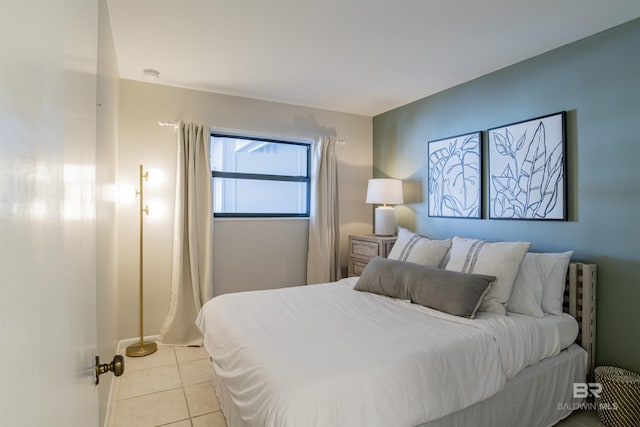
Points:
point(384, 191)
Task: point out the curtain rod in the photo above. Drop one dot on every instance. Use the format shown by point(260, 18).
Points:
point(175, 126)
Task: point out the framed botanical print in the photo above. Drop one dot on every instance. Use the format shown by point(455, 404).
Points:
point(455, 176)
point(527, 169)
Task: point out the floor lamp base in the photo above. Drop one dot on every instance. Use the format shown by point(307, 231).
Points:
point(136, 350)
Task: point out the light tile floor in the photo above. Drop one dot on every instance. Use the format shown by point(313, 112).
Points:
point(174, 388)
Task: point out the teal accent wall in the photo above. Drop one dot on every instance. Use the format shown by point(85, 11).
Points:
point(597, 81)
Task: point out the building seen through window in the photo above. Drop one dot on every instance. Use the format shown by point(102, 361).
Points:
point(256, 177)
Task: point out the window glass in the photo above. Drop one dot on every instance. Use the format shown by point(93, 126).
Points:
point(256, 196)
point(259, 177)
point(258, 157)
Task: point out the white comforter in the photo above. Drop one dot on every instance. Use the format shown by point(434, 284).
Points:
point(326, 355)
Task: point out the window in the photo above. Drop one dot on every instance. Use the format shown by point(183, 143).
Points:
point(258, 177)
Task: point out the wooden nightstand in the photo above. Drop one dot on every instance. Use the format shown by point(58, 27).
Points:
point(362, 248)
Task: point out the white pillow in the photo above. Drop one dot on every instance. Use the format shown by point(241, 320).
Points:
point(526, 297)
point(553, 286)
point(501, 259)
point(418, 249)
point(537, 272)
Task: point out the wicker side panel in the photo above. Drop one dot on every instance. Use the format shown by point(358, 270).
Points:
point(580, 302)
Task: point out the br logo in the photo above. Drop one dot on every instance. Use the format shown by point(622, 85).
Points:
point(584, 390)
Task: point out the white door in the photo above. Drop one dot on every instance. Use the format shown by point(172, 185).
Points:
point(47, 212)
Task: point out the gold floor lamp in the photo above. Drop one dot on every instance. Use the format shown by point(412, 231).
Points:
point(142, 348)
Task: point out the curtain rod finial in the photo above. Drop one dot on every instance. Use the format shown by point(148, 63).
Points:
point(174, 125)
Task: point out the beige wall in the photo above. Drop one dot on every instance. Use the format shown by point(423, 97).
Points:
point(249, 254)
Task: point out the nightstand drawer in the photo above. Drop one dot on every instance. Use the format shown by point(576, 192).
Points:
point(363, 248)
point(356, 267)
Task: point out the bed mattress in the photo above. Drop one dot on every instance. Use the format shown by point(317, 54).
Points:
point(329, 355)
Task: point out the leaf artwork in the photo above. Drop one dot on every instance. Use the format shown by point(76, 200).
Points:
point(454, 177)
point(527, 174)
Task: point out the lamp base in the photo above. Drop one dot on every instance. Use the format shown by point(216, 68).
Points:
point(136, 350)
point(385, 221)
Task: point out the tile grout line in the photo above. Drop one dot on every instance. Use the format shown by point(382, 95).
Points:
point(141, 367)
point(181, 386)
point(184, 391)
point(184, 387)
point(149, 394)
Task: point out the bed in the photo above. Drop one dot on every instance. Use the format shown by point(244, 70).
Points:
point(327, 355)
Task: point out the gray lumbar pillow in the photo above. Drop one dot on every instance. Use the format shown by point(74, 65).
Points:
point(459, 294)
point(386, 277)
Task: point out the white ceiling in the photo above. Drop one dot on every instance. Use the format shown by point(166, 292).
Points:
point(358, 56)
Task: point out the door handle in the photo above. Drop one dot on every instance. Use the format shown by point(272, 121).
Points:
point(116, 366)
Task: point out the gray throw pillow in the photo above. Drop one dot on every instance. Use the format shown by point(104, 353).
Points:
point(452, 292)
point(386, 277)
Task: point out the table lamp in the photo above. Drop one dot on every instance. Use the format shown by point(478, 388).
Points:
point(384, 191)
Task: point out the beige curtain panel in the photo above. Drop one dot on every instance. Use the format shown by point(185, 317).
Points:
point(191, 276)
point(323, 257)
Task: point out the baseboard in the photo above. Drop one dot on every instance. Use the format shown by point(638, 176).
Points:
point(121, 348)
